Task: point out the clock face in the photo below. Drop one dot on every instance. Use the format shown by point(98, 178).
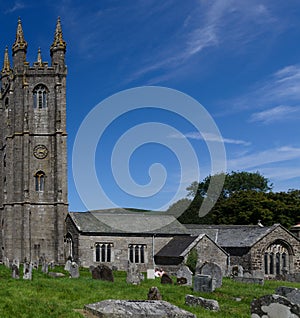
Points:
point(40, 151)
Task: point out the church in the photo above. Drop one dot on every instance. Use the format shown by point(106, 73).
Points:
point(34, 217)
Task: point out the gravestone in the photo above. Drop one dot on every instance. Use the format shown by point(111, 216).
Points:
point(133, 274)
point(184, 274)
point(237, 271)
point(52, 265)
point(292, 294)
point(91, 267)
point(27, 271)
point(210, 304)
point(142, 308)
point(45, 266)
point(215, 272)
point(103, 272)
point(68, 265)
point(274, 306)
point(56, 275)
point(15, 271)
point(74, 270)
point(16, 262)
point(154, 294)
point(150, 274)
point(203, 283)
point(35, 265)
point(166, 279)
point(6, 262)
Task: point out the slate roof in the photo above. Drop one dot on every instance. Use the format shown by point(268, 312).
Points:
point(176, 246)
point(232, 235)
point(112, 221)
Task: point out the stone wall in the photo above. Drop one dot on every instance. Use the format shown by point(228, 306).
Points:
point(208, 251)
point(279, 235)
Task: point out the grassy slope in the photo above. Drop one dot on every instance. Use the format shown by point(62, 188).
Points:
point(58, 297)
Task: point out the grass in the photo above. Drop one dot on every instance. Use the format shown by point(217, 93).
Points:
point(59, 297)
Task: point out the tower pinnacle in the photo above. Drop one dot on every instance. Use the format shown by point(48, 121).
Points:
point(58, 42)
point(6, 65)
point(20, 43)
point(39, 58)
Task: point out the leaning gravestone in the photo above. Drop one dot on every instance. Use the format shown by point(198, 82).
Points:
point(15, 271)
point(215, 272)
point(184, 272)
point(74, 270)
point(133, 274)
point(137, 309)
point(166, 279)
point(103, 272)
point(203, 283)
point(45, 266)
point(154, 294)
point(274, 306)
point(292, 294)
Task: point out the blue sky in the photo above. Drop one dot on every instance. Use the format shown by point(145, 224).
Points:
point(239, 59)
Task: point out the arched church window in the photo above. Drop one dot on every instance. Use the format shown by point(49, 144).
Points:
point(40, 96)
point(39, 181)
point(276, 259)
point(6, 102)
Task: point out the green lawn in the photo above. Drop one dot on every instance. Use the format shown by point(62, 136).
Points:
point(58, 297)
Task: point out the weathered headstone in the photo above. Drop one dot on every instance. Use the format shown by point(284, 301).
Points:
point(249, 280)
point(52, 265)
point(203, 283)
point(74, 270)
point(27, 271)
point(274, 306)
point(15, 271)
point(154, 294)
point(237, 271)
point(184, 273)
point(16, 262)
point(68, 265)
point(45, 266)
point(210, 304)
point(166, 279)
point(292, 294)
point(35, 265)
point(145, 308)
point(215, 272)
point(150, 274)
point(133, 274)
point(103, 272)
point(6, 262)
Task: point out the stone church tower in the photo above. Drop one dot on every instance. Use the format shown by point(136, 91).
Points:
point(33, 153)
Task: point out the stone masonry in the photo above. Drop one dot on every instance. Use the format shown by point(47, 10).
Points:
point(33, 152)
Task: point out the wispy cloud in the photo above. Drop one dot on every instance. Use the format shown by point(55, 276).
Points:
point(265, 157)
point(281, 87)
point(275, 114)
point(211, 137)
point(18, 5)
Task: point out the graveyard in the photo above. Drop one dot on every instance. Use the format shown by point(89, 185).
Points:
point(58, 294)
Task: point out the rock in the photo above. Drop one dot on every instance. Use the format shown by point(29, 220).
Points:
point(210, 304)
point(154, 294)
point(203, 283)
point(184, 276)
point(166, 279)
point(103, 272)
point(292, 294)
point(274, 306)
point(137, 309)
point(215, 272)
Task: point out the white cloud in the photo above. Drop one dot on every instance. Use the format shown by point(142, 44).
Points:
point(18, 5)
point(265, 157)
point(211, 137)
point(277, 113)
